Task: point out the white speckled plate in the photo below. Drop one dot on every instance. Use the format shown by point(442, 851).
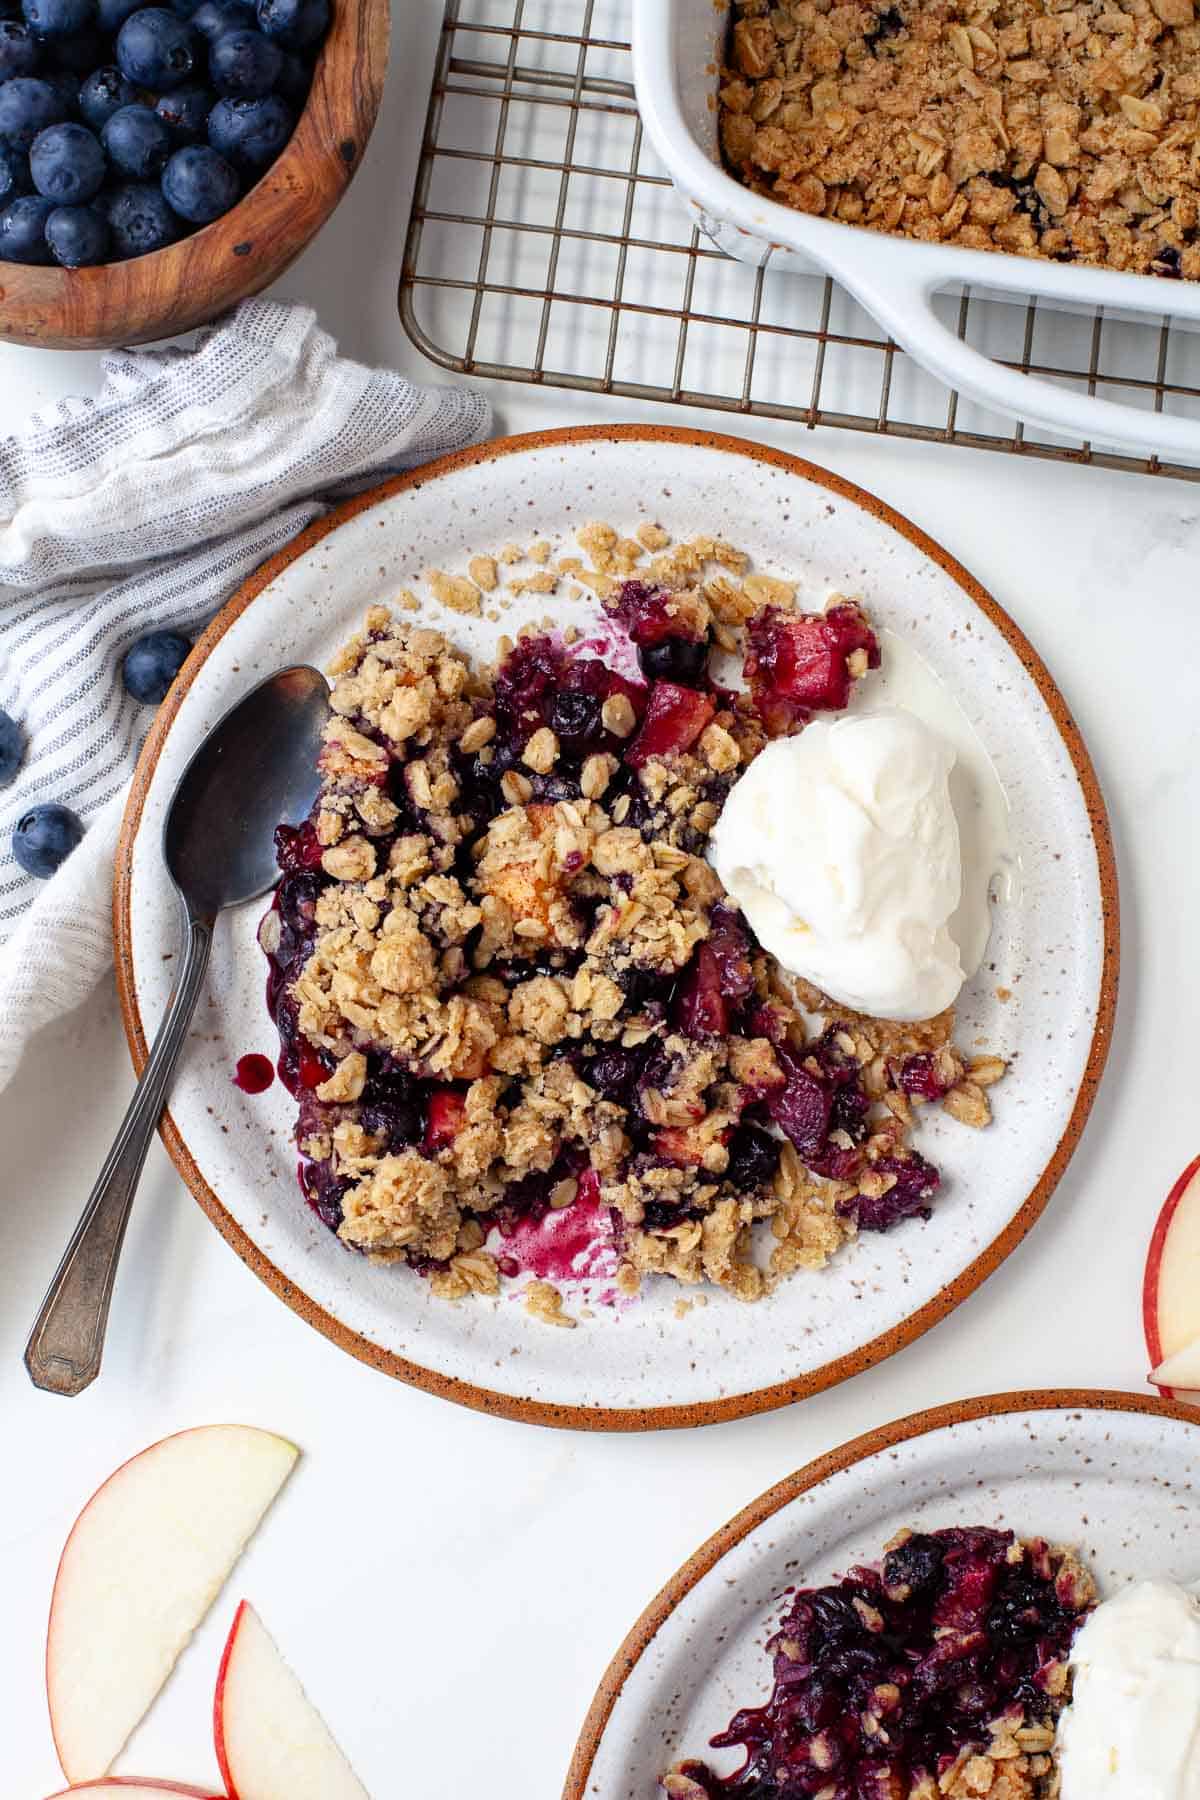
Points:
point(1054, 952)
point(1112, 1474)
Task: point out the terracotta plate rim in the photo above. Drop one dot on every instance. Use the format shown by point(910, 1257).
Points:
point(833, 1462)
point(755, 1400)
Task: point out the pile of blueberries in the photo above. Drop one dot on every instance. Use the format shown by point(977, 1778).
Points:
point(123, 126)
point(45, 836)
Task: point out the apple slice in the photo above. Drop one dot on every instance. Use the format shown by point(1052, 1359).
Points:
point(127, 1787)
point(145, 1560)
point(1171, 1290)
point(272, 1744)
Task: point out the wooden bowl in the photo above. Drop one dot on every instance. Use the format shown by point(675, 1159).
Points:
point(190, 282)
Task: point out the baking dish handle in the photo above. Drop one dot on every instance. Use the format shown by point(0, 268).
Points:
point(900, 299)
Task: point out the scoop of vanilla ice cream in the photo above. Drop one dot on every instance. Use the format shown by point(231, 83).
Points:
point(841, 847)
point(1132, 1730)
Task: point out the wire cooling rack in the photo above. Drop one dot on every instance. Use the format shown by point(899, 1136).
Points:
point(546, 246)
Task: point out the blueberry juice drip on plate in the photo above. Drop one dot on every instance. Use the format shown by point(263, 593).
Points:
point(886, 1677)
point(254, 1073)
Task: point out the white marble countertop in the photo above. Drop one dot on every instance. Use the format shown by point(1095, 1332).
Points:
point(450, 1587)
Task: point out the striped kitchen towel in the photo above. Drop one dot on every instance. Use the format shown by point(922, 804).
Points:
point(142, 509)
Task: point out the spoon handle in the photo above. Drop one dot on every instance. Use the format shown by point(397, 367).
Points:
point(67, 1341)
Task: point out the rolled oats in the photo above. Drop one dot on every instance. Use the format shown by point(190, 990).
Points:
point(1070, 132)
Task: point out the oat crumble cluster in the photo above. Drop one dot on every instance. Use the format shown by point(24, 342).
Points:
point(1067, 129)
point(938, 1674)
point(508, 983)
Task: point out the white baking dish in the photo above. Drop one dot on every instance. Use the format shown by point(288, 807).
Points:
point(678, 46)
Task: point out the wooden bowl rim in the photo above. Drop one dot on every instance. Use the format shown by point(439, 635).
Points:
point(754, 1400)
point(315, 164)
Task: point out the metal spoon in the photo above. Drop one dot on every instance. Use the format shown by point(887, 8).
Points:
point(255, 767)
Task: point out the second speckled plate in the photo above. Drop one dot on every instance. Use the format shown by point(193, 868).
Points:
point(1044, 997)
point(1112, 1475)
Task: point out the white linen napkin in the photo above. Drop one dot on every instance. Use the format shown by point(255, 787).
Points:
point(144, 509)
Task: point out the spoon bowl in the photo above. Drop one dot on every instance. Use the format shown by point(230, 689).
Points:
point(256, 767)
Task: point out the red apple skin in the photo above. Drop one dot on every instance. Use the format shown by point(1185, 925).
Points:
point(137, 1786)
point(1154, 1258)
point(219, 1700)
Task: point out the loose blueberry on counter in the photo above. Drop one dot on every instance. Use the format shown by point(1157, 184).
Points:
point(58, 18)
point(295, 23)
point(28, 105)
point(199, 184)
point(152, 664)
point(213, 18)
point(136, 142)
point(14, 174)
point(23, 229)
point(185, 113)
point(244, 65)
point(67, 164)
point(44, 838)
point(156, 50)
point(140, 220)
point(104, 92)
point(12, 749)
point(251, 133)
point(78, 236)
point(20, 52)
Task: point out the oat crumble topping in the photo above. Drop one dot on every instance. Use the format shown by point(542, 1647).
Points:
point(1067, 129)
point(509, 984)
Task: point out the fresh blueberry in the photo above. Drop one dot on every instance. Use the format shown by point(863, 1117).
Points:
point(140, 220)
point(20, 51)
point(77, 236)
point(296, 23)
point(199, 184)
point(113, 14)
point(23, 229)
point(295, 79)
point(213, 18)
point(185, 113)
point(14, 174)
point(28, 105)
point(244, 65)
point(103, 93)
point(251, 133)
point(155, 49)
point(136, 142)
point(12, 749)
point(58, 18)
point(67, 164)
point(81, 53)
point(152, 664)
point(44, 838)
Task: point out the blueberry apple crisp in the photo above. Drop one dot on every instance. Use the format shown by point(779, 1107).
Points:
point(1067, 129)
point(938, 1674)
point(508, 983)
